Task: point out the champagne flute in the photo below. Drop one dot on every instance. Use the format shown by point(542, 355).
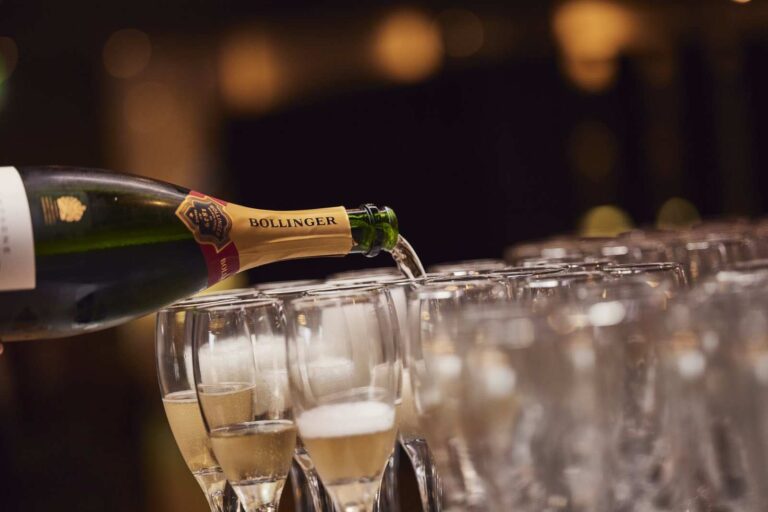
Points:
point(343, 372)
point(173, 351)
point(242, 387)
point(389, 497)
point(435, 367)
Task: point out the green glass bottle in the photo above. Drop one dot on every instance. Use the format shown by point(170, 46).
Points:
point(84, 249)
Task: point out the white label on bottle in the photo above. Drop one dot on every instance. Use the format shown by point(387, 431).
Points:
point(17, 245)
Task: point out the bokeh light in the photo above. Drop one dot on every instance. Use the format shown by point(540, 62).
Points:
point(250, 75)
point(591, 34)
point(463, 32)
point(677, 212)
point(126, 53)
point(407, 46)
point(605, 220)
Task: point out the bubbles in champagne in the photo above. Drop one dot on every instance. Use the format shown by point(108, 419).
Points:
point(347, 419)
point(349, 442)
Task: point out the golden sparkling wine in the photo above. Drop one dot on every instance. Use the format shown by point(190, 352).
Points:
point(349, 442)
point(188, 429)
point(227, 404)
point(254, 452)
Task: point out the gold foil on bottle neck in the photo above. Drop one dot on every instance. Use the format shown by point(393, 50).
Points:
point(266, 236)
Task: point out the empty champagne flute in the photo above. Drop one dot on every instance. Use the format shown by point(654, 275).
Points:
point(435, 369)
point(410, 429)
point(242, 387)
point(513, 395)
point(344, 371)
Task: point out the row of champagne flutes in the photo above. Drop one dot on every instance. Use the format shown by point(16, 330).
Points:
point(579, 379)
point(594, 379)
point(256, 367)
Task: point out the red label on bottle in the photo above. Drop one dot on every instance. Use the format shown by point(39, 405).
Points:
point(210, 224)
point(221, 264)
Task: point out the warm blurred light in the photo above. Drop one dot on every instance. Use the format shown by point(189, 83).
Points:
point(148, 106)
point(593, 29)
point(677, 212)
point(605, 220)
point(591, 33)
point(126, 53)
point(592, 150)
point(249, 71)
point(741, 1)
point(463, 32)
point(9, 55)
point(408, 46)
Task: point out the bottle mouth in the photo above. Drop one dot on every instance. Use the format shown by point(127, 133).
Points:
point(384, 223)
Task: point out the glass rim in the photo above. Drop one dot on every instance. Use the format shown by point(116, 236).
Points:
point(277, 285)
point(449, 287)
point(443, 278)
point(473, 264)
point(642, 268)
point(532, 270)
point(362, 287)
point(336, 296)
point(294, 290)
point(197, 301)
point(384, 279)
point(252, 303)
point(557, 279)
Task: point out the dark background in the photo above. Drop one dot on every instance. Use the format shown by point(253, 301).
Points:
point(481, 124)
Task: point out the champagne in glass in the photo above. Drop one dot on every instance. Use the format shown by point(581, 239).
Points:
point(183, 413)
point(242, 386)
point(343, 366)
point(255, 457)
point(349, 455)
point(173, 350)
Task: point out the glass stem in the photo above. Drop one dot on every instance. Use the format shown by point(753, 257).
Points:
point(388, 499)
point(213, 485)
point(426, 474)
point(230, 503)
point(315, 491)
point(216, 502)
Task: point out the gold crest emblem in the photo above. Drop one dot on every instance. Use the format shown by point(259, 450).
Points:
point(207, 220)
point(70, 209)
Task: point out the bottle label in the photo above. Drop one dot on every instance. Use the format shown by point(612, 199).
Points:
point(17, 245)
point(233, 237)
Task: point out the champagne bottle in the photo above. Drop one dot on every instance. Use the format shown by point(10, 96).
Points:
point(84, 249)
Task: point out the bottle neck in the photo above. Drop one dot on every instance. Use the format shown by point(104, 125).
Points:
point(234, 238)
point(373, 229)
